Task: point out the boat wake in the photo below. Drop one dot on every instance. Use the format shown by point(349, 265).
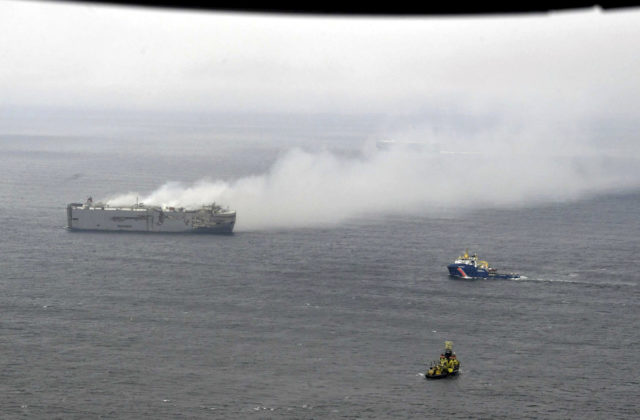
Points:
point(573, 280)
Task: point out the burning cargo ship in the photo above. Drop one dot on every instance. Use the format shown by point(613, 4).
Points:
point(141, 218)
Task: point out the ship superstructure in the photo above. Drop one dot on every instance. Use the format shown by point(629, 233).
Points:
point(141, 218)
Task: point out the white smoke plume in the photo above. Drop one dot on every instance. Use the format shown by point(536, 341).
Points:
point(307, 189)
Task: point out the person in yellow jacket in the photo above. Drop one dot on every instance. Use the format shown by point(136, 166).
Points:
point(451, 364)
point(443, 361)
point(435, 370)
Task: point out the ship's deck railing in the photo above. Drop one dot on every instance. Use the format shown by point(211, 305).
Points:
point(221, 211)
point(111, 208)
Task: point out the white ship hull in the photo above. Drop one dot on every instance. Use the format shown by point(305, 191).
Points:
point(149, 219)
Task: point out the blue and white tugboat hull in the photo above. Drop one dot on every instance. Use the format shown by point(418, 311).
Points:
point(466, 271)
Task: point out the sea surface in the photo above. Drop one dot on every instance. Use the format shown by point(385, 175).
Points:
point(332, 322)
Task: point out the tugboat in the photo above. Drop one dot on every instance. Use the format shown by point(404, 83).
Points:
point(469, 267)
point(449, 365)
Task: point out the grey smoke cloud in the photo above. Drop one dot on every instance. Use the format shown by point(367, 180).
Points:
point(308, 189)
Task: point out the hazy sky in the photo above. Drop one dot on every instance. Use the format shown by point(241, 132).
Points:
point(559, 65)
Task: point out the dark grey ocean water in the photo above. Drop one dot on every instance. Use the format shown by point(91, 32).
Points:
point(334, 322)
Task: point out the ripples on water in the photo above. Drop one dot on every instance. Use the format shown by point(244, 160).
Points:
point(310, 323)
